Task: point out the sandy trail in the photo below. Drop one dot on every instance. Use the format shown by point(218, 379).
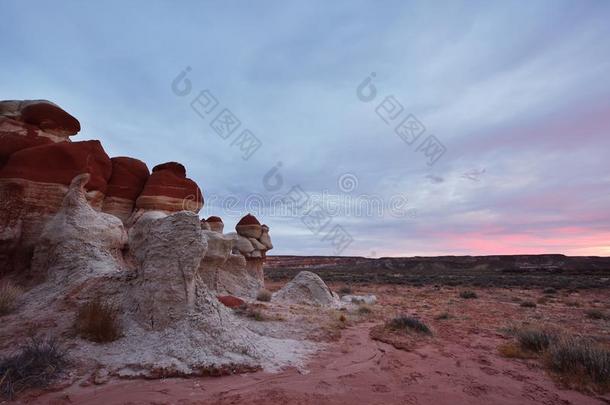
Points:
point(357, 369)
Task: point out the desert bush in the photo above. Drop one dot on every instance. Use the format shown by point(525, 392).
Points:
point(9, 294)
point(264, 295)
point(535, 340)
point(468, 294)
point(549, 290)
point(595, 314)
point(528, 304)
point(36, 365)
point(571, 303)
point(408, 323)
point(345, 290)
point(575, 356)
point(364, 309)
point(98, 321)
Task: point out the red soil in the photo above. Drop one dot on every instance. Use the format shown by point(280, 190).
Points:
point(459, 364)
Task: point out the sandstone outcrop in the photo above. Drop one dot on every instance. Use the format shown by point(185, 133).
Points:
point(33, 183)
point(306, 288)
point(79, 226)
point(249, 227)
point(215, 224)
point(78, 241)
point(168, 250)
point(169, 190)
point(127, 181)
point(37, 118)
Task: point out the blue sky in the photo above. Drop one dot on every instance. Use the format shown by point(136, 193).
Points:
point(517, 92)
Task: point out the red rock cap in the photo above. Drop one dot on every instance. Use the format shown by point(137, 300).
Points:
point(214, 219)
point(248, 220)
point(60, 162)
point(128, 178)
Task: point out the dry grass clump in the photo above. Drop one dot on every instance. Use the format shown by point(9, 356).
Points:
point(468, 294)
point(595, 314)
point(579, 362)
point(345, 290)
point(36, 365)
point(528, 304)
point(264, 295)
point(99, 321)
point(9, 294)
point(364, 309)
point(579, 359)
point(408, 324)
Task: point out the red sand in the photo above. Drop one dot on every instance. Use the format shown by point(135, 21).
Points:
point(359, 370)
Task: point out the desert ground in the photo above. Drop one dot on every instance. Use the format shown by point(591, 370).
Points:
point(461, 361)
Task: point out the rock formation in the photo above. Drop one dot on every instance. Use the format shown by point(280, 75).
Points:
point(215, 224)
point(168, 189)
point(306, 288)
point(79, 225)
point(125, 185)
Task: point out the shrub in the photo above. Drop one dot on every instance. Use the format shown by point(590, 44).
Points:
point(528, 304)
point(98, 321)
point(408, 323)
point(572, 355)
point(595, 314)
point(8, 297)
point(364, 309)
point(37, 364)
point(468, 294)
point(549, 290)
point(345, 290)
point(573, 304)
point(535, 340)
point(264, 295)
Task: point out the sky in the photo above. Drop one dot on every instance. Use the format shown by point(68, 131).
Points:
point(506, 151)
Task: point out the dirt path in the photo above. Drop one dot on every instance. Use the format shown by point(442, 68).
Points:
point(356, 369)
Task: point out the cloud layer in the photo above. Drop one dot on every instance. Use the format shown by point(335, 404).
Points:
point(517, 93)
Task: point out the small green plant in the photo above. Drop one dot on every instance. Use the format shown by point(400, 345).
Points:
point(9, 294)
point(408, 323)
point(528, 304)
point(38, 363)
point(264, 295)
point(468, 294)
point(99, 321)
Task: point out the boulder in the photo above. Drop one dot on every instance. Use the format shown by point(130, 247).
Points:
point(256, 244)
point(243, 245)
point(204, 225)
point(249, 227)
point(168, 189)
point(125, 185)
point(306, 288)
point(265, 239)
point(216, 224)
